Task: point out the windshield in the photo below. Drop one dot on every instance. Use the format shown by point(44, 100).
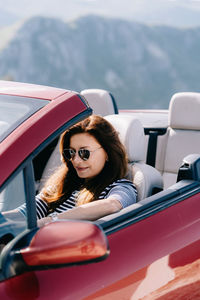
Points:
point(15, 110)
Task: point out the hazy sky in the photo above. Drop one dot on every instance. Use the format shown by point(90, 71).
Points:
point(128, 9)
point(76, 7)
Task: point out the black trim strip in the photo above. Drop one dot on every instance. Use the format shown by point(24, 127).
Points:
point(149, 206)
point(152, 144)
point(29, 185)
point(152, 147)
point(161, 131)
point(114, 104)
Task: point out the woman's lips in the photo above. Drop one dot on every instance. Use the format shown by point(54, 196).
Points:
point(79, 169)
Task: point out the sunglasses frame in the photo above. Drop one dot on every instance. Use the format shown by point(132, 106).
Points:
point(80, 151)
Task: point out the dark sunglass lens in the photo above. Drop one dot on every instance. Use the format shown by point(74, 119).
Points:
point(84, 154)
point(69, 154)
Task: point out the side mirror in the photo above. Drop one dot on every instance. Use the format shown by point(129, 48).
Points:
point(57, 244)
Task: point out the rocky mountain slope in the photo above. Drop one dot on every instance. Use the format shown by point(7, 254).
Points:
point(141, 65)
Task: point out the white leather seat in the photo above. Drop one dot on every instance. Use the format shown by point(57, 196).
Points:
point(183, 135)
point(101, 101)
point(146, 178)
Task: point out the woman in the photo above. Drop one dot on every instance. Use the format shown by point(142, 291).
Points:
point(91, 182)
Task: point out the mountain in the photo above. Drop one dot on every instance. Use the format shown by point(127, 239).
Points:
point(143, 66)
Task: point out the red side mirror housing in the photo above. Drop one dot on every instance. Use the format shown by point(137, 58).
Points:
point(66, 242)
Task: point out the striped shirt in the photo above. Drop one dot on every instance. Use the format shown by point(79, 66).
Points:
point(122, 190)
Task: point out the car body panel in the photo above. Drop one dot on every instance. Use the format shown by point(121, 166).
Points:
point(30, 90)
point(134, 269)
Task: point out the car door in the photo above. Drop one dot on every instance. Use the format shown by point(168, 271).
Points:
point(154, 253)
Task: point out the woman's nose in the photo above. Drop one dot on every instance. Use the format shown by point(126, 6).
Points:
point(76, 157)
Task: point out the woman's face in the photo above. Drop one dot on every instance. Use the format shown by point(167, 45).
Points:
point(94, 164)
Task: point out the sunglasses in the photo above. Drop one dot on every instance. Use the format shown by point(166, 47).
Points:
point(84, 154)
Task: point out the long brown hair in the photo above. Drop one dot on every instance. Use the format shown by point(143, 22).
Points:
point(65, 180)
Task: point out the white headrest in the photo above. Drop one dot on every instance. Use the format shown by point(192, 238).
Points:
point(131, 133)
point(100, 101)
point(184, 111)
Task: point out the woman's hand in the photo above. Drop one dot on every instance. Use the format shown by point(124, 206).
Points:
point(44, 221)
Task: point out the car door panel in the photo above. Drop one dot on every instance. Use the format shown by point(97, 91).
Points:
point(146, 258)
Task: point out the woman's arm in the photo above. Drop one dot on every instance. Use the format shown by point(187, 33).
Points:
point(90, 211)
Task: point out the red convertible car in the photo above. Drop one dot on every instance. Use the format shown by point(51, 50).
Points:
point(149, 250)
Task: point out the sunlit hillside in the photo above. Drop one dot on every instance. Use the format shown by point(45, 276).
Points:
point(143, 66)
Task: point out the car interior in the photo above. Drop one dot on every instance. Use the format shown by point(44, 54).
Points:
point(171, 144)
